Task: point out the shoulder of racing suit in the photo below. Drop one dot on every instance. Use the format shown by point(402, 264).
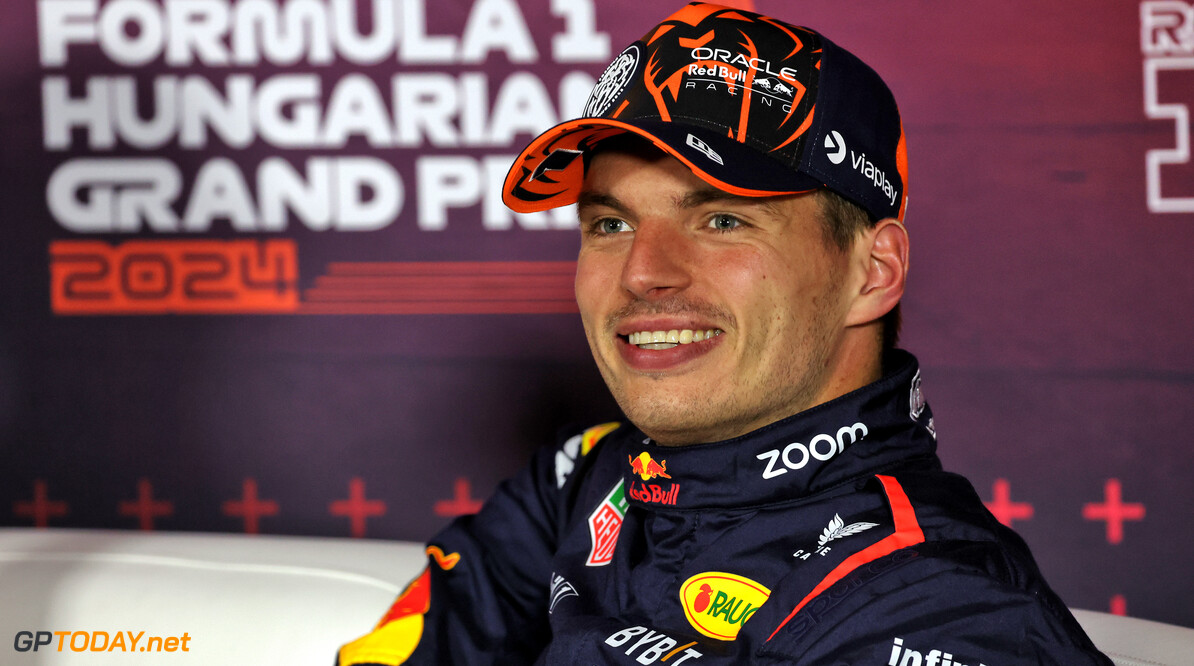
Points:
point(966, 593)
point(483, 596)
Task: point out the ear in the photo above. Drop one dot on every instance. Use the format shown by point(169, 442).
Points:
point(880, 259)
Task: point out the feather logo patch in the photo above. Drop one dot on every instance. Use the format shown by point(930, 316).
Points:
point(837, 529)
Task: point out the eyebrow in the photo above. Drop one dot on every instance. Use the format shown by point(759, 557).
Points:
point(586, 199)
point(714, 195)
point(690, 200)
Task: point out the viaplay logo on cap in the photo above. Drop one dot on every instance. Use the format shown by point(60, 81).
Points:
point(835, 147)
point(835, 151)
point(718, 603)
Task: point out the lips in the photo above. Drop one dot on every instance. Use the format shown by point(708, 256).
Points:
point(657, 340)
point(650, 347)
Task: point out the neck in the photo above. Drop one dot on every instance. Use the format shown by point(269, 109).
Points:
point(857, 361)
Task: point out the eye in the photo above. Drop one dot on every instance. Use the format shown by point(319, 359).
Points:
point(610, 226)
point(724, 222)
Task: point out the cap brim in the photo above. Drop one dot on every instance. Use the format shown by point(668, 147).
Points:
point(550, 171)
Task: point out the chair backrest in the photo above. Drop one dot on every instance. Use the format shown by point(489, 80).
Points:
point(237, 599)
point(1131, 641)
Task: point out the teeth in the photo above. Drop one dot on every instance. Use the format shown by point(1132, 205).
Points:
point(669, 339)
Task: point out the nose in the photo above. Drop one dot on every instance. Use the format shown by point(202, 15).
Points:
point(659, 262)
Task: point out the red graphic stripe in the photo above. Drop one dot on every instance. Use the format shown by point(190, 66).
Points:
point(453, 268)
point(907, 533)
point(748, 89)
point(439, 307)
point(337, 295)
point(446, 281)
point(456, 287)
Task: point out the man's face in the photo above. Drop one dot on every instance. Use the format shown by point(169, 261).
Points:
point(662, 250)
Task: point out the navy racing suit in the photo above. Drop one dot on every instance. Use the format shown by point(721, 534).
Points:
point(830, 537)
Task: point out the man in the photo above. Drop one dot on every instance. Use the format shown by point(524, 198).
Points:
point(775, 496)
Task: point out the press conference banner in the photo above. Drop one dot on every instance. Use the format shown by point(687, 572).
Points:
point(257, 276)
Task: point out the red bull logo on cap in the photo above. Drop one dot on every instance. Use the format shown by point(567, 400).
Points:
point(647, 468)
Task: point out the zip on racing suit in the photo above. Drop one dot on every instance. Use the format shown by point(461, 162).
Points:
point(830, 537)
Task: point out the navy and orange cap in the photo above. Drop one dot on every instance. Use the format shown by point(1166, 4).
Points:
point(753, 105)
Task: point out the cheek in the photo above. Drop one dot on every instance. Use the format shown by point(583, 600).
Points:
point(595, 284)
point(754, 285)
point(777, 296)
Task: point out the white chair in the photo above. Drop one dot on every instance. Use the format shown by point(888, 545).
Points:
point(1131, 641)
point(239, 599)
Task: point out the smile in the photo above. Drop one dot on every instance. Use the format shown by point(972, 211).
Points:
point(656, 340)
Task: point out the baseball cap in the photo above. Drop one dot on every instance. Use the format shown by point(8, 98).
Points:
point(753, 105)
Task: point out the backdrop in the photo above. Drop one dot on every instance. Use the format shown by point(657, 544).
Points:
point(256, 275)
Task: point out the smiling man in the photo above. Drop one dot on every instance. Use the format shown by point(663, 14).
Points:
point(774, 496)
point(711, 315)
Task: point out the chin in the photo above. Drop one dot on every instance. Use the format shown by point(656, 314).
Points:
point(674, 421)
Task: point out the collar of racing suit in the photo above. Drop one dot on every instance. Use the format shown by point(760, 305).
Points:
point(867, 431)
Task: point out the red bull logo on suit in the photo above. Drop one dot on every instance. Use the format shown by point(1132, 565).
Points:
point(647, 468)
point(653, 494)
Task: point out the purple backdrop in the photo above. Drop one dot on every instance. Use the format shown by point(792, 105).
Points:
point(244, 268)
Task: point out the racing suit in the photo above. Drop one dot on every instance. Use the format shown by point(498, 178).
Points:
point(830, 537)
